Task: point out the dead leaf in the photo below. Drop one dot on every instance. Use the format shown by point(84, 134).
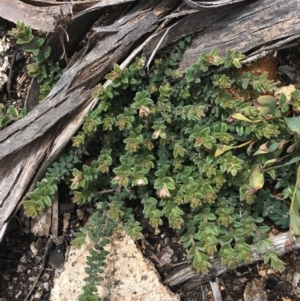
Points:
point(239, 280)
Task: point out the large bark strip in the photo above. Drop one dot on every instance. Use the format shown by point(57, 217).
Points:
point(194, 23)
point(259, 24)
point(32, 143)
point(191, 279)
point(241, 27)
point(77, 6)
point(39, 14)
point(40, 18)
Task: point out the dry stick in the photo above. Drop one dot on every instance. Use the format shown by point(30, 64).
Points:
point(11, 71)
point(183, 13)
point(217, 3)
point(277, 46)
point(108, 191)
point(136, 51)
point(157, 46)
point(203, 295)
point(48, 245)
point(214, 285)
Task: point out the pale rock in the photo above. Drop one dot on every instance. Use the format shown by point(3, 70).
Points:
point(296, 284)
point(286, 90)
point(128, 276)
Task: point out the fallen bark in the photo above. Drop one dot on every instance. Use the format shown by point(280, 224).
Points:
point(76, 6)
point(190, 278)
point(39, 18)
point(257, 25)
point(238, 27)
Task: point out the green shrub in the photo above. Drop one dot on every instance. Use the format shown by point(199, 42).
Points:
point(42, 69)
point(10, 115)
point(205, 149)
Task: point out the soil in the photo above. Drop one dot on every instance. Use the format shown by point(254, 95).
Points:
point(23, 257)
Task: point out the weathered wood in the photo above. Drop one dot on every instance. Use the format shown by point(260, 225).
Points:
point(190, 279)
point(40, 18)
point(241, 27)
point(209, 4)
point(215, 288)
point(72, 30)
point(257, 25)
point(196, 22)
point(76, 5)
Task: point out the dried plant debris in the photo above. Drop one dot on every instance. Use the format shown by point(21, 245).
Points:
point(4, 63)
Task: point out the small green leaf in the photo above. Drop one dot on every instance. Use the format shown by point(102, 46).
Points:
point(272, 174)
point(239, 116)
point(266, 105)
point(181, 44)
point(293, 124)
point(12, 111)
point(263, 229)
point(39, 42)
point(170, 186)
point(47, 52)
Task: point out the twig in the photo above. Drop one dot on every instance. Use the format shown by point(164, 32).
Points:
point(179, 263)
point(216, 290)
point(203, 295)
point(210, 4)
point(180, 14)
point(11, 72)
point(140, 48)
point(108, 191)
point(133, 55)
point(282, 44)
point(48, 245)
point(157, 46)
point(256, 56)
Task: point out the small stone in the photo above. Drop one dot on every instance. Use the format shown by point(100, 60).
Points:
point(38, 244)
point(174, 258)
point(296, 284)
point(45, 277)
point(262, 273)
point(37, 296)
point(156, 231)
point(80, 214)
point(57, 257)
point(21, 268)
point(19, 56)
point(46, 286)
point(37, 259)
point(25, 258)
point(33, 249)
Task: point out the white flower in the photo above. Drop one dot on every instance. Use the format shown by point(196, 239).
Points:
point(164, 192)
